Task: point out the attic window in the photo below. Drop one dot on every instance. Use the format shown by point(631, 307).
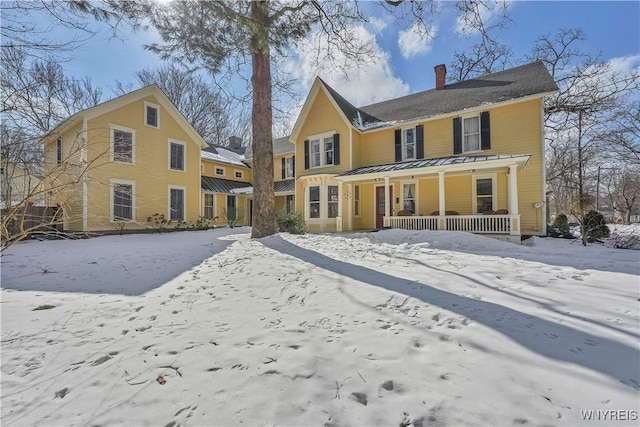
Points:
point(238, 174)
point(151, 115)
point(219, 171)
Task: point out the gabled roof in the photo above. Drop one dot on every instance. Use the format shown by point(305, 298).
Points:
point(124, 100)
point(280, 145)
point(223, 155)
point(508, 85)
point(219, 185)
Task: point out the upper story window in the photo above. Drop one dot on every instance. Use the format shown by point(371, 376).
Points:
point(322, 150)
point(220, 171)
point(176, 155)
point(151, 114)
point(59, 150)
point(122, 144)
point(239, 174)
point(290, 167)
point(409, 144)
point(471, 134)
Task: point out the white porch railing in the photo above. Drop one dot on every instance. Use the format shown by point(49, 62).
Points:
point(483, 224)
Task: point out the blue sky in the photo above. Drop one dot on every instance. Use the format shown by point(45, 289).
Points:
point(612, 29)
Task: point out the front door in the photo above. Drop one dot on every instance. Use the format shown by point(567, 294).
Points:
point(380, 205)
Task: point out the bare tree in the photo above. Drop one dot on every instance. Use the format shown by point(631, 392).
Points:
point(623, 191)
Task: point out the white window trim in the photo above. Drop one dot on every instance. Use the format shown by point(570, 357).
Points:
point(404, 143)
point(235, 172)
point(113, 127)
point(215, 171)
point(152, 105)
point(184, 204)
point(469, 116)
point(184, 154)
point(133, 199)
point(359, 200)
point(474, 190)
point(402, 183)
point(215, 204)
point(320, 138)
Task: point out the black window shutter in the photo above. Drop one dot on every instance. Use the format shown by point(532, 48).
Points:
point(485, 131)
point(457, 135)
point(306, 154)
point(293, 159)
point(398, 145)
point(283, 166)
point(336, 149)
point(420, 142)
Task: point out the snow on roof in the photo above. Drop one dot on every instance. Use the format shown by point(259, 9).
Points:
point(225, 156)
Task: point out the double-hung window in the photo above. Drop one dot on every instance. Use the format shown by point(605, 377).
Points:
point(289, 203)
point(471, 134)
point(209, 206)
point(176, 204)
point(315, 153)
point(122, 201)
point(176, 156)
point(328, 150)
point(409, 197)
point(356, 200)
point(409, 144)
point(151, 115)
point(332, 201)
point(289, 167)
point(314, 202)
point(484, 192)
point(122, 145)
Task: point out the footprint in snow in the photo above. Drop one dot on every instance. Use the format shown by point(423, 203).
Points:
point(360, 398)
point(591, 342)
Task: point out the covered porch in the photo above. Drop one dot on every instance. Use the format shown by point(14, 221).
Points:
point(477, 194)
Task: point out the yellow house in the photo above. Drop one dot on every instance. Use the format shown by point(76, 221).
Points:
point(19, 183)
point(466, 156)
point(123, 161)
point(226, 183)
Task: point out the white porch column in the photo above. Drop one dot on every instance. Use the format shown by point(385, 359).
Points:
point(387, 199)
point(441, 201)
point(349, 206)
point(513, 189)
point(339, 218)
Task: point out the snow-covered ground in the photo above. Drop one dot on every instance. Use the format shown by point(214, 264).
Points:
point(389, 328)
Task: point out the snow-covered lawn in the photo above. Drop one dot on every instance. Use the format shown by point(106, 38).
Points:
point(390, 328)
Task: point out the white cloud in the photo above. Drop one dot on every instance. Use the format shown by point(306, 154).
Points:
point(416, 40)
point(378, 24)
point(361, 84)
point(625, 64)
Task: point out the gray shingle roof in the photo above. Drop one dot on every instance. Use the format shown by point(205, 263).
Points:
point(440, 161)
point(219, 185)
point(514, 83)
point(286, 185)
point(280, 145)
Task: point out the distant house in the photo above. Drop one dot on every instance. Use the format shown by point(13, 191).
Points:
point(19, 184)
point(465, 156)
point(125, 160)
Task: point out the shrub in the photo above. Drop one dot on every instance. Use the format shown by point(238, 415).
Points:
point(232, 216)
point(291, 222)
point(595, 227)
point(158, 222)
point(560, 227)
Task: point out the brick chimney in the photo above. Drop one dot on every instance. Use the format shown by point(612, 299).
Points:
point(235, 142)
point(441, 76)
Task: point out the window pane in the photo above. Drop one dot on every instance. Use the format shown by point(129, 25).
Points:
point(122, 146)
point(122, 202)
point(471, 134)
point(409, 197)
point(209, 207)
point(177, 156)
point(177, 205)
point(484, 192)
point(289, 167)
point(356, 200)
point(333, 193)
point(152, 116)
point(314, 194)
point(471, 125)
point(328, 149)
point(484, 187)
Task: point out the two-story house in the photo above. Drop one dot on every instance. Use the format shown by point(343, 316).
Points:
point(122, 161)
point(465, 156)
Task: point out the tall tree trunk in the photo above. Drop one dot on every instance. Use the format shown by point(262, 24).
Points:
point(264, 206)
point(581, 196)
